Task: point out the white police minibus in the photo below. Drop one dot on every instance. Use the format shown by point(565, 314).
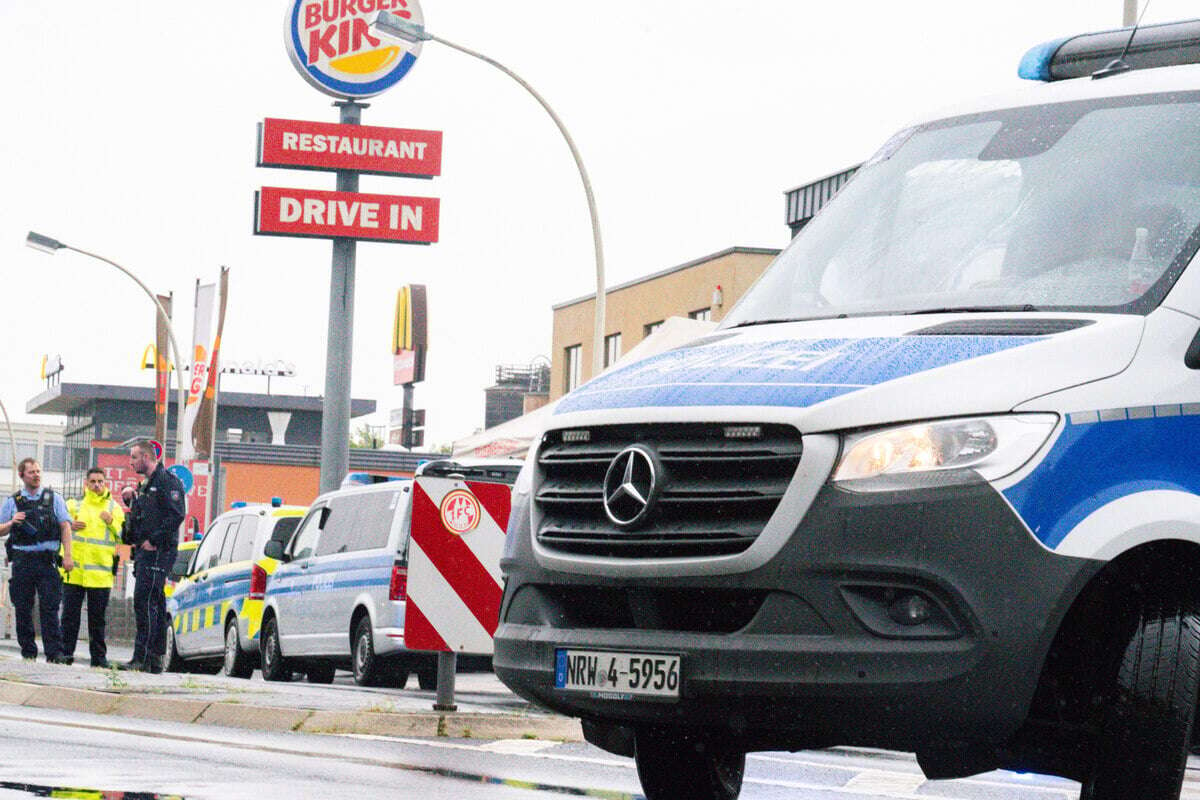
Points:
point(932, 485)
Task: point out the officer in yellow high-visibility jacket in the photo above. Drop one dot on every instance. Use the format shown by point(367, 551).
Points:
point(95, 534)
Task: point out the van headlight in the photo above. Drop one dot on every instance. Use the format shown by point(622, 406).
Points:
point(992, 447)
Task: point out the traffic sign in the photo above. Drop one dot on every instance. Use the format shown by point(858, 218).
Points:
point(454, 580)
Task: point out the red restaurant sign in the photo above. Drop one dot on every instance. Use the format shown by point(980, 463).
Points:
point(321, 214)
point(326, 146)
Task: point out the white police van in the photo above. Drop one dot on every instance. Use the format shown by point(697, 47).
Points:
point(338, 598)
point(932, 485)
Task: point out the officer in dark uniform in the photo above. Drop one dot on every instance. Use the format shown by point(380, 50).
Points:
point(152, 530)
point(37, 525)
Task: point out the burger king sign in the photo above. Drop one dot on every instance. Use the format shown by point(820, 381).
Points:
point(332, 45)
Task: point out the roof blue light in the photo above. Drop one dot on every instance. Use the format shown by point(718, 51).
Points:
point(276, 502)
point(238, 504)
point(1035, 65)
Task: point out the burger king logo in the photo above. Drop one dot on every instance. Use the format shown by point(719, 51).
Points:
point(333, 47)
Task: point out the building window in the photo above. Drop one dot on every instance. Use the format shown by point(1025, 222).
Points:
point(612, 349)
point(25, 449)
point(702, 314)
point(574, 365)
point(55, 459)
point(651, 328)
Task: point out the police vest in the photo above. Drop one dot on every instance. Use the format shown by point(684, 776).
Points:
point(40, 523)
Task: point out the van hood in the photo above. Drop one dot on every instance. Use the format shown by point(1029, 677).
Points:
point(866, 371)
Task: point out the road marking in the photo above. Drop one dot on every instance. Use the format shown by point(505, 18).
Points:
point(518, 747)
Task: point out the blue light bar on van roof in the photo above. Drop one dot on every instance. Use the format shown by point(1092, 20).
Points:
point(1163, 45)
point(238, 504)
point(276, 502)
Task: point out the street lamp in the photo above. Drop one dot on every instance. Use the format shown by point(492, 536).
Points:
point(397, 27)
point(12, 443)
point(47, 245)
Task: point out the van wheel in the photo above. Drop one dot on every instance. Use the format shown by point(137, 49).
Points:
point(677, 764)
point(238, 663)
point(274, 666)
point(320, 672)
point(172, 662)
point(1148, 721)
point(367, 671)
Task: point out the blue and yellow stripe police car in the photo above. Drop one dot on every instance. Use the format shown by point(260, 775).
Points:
point(215, 611)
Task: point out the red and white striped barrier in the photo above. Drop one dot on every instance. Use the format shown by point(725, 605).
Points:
point(454, 582)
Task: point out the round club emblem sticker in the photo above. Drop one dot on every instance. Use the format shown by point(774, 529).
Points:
point(332, 45)
point(460, 511)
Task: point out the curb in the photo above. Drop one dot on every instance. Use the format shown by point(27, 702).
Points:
point(280, 719)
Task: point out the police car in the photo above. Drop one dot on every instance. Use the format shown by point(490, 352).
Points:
point(214, 613)
point(932, 485)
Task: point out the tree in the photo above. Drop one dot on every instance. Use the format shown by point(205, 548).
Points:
point(366, 437)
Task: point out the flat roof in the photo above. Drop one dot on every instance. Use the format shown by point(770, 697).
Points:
point(763, 251)
point(65, 398)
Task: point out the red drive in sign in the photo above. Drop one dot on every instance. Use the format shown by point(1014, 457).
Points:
point(454, 582)
point(327, 146)
point(319, 214)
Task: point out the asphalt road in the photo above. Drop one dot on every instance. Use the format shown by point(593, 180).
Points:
point(55, 749)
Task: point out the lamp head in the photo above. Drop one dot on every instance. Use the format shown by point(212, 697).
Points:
point(44, 243)
point(397, 27)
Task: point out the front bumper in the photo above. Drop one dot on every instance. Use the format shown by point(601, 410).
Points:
point(800, 652)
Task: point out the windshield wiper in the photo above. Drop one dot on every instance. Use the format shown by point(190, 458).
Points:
point(753, 322)
point(970, 309)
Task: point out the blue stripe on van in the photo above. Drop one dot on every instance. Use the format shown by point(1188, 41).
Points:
point(1095, 462)
point(288, 578)
point(790, 372)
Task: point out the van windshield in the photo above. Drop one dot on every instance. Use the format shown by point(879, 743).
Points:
point(1084, 206)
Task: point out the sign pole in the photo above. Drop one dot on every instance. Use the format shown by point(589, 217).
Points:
point(339, 350)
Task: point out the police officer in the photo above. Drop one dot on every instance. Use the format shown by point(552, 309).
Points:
point(37, 525)
point(152, 530)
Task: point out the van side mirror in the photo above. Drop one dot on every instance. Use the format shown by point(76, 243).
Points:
point(274, 550)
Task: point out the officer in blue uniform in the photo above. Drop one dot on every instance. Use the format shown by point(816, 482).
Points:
point(152, 530)
point(37, 525)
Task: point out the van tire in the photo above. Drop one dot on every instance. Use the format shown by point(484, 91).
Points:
point(237, 663)
point(678, 764)
point(367, 669)
point(1148, 720)
point(274, 666)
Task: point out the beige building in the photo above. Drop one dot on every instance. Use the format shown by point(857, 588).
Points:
point(702, 289)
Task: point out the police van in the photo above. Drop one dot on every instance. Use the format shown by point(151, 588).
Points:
point(215, 610)
point(339, 598)
point(933, 483)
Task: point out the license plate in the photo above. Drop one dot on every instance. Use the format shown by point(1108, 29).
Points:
point(617, 675)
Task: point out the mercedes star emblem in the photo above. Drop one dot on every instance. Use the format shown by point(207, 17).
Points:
point(631, 487)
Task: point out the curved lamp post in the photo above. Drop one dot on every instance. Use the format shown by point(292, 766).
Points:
point(397, 27)
point(12, 443)
point(47, 245)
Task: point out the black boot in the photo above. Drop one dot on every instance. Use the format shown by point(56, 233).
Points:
point(131, 666)
point(153, 665)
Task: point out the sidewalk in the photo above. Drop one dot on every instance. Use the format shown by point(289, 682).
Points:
point(486, 709)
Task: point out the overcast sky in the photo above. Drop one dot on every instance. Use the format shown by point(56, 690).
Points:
point(130, 131)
